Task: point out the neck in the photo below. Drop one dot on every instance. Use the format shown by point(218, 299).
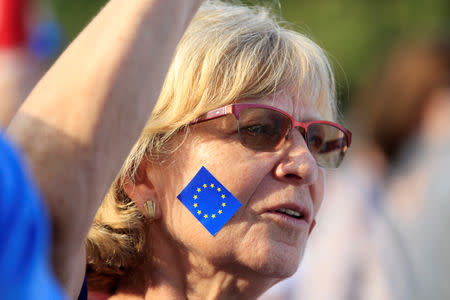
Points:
point(174, 273)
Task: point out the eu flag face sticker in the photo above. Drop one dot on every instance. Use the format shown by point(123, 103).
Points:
point(209, 201)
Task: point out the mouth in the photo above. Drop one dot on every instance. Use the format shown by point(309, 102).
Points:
point(290, 213)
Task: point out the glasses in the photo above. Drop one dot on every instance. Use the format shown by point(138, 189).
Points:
point(265, 128)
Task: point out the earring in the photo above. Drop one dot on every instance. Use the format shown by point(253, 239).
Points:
point(150, 207)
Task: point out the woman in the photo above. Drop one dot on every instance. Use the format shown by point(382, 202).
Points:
point(226, 106)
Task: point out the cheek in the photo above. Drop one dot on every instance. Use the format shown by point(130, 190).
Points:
point(235, 167)
point(229, 163)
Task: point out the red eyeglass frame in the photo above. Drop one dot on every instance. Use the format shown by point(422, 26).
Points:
point(236, 108)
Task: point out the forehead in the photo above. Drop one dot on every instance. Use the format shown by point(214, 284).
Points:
point(295, 106)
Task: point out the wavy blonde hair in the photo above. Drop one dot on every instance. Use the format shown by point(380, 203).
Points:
point(228, 52)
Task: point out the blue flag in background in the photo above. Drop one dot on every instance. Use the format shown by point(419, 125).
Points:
point(209, 201)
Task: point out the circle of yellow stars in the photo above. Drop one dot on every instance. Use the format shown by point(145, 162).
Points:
point(205, 186)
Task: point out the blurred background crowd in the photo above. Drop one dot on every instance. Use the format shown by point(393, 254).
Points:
point(382, 231)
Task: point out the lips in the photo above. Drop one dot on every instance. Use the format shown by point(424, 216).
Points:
point(292, 210)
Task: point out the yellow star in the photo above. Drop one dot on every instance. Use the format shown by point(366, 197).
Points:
point(220, 211)
point(205, 216)
point(213, 216)
point(195, 196)
point(195, 204)
point(212, 185)
point(199, 190)
point(223, 204)
point(205, 185)
point(199, 212)
point(223, 196)
point(218, 189)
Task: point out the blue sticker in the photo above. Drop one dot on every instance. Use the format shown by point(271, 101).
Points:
point(209, 201)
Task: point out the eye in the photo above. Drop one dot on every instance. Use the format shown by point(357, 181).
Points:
point(258, 129)
point(315, 143)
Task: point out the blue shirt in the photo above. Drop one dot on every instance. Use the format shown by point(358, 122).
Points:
point(24, 234)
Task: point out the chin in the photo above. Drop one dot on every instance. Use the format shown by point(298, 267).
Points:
point(274, 260)
point(281, 266)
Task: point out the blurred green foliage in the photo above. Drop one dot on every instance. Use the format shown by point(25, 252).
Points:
point(355, 33)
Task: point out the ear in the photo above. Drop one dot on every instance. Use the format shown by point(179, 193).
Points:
point(141, 189)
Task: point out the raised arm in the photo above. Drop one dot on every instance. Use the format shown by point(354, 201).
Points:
point(83, 117)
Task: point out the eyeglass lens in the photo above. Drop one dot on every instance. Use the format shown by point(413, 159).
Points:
point(264, 129)
point(327, 144)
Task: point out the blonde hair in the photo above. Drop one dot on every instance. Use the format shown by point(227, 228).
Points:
point(228, 53)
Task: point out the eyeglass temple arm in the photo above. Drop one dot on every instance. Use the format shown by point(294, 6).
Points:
point(213, 114)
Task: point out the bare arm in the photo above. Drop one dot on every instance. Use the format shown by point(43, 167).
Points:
point(83, 117)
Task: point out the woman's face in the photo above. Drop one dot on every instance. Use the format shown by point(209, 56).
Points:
point(258, 238)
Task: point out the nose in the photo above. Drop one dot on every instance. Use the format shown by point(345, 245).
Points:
point(297, 164)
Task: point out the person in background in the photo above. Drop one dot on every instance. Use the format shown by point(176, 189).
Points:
point(24, 250)
point(17, 70)
point(29, 42)
point(77, 88)
point(418, 190)
point(24, 253)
